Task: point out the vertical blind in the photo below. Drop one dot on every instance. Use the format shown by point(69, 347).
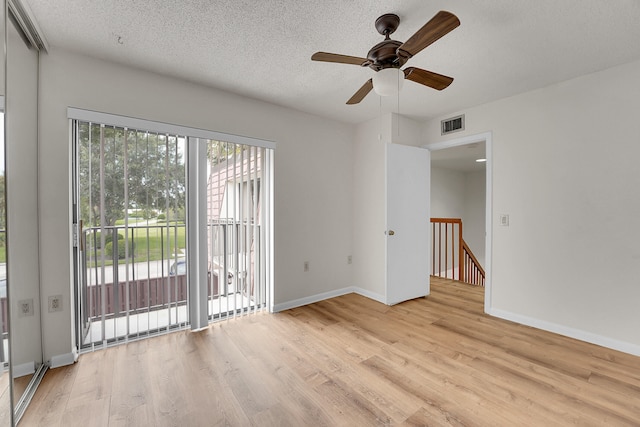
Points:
point(236, 227)
point(131, 198)
point(131, 206)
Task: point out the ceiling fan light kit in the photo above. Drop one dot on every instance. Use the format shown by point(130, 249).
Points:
point(387, 57)
point(388, 81)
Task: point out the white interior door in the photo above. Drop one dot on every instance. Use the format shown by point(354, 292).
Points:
point(407, 251)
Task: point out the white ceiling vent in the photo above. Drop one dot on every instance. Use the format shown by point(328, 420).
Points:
point(454, 124)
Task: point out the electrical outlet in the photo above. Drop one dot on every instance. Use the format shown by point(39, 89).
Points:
point(55, 303)
point(25, 307)
point(306, 266)
point(349, 259)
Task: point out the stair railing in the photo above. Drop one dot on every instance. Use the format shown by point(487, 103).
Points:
point(451, 257)
point(473, 271)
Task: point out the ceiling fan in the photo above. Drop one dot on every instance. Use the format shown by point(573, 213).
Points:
point(388, 56)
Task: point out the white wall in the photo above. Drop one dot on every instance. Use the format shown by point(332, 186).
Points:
point(447, 193)
point(369, 206)
point(404, 130)
point(565, 170)
point(313, 172)
point(474, 214)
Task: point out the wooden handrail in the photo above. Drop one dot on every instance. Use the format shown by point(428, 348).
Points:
point(447, 220)
point(474, 273)
point(444, 262)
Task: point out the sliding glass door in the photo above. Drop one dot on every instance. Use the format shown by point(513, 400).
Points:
point(131, 231)
point(235, 227)
point(170, 230)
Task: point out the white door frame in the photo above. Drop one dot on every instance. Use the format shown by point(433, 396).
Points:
point(487, 137)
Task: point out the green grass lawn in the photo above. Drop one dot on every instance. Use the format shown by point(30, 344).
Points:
point(132, 220)
point(150, 244)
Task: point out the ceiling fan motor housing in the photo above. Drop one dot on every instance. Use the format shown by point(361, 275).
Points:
point(384, 55)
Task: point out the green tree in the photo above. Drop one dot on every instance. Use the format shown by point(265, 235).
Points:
point(148, 167)
point(219, 151)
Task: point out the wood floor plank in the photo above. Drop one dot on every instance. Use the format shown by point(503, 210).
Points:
point(431, 416)
point(96, 366)
point(208, 382)
point(456, 374)
point(300, 402)
point(5, 399)
point(345, 368)
point(53, 394)
point(132, 397)
point(349, 361)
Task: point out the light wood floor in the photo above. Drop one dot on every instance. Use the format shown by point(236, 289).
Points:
point(5, 399)
point(349, 361)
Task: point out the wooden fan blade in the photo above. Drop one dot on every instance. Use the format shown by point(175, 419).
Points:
point(342, 59)
point(427, 78)
point(440, 25)
point(361, 93)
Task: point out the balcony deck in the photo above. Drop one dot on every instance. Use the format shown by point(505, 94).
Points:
point(161, 319)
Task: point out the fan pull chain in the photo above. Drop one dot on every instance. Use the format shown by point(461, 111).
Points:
point(380, 114)
point(400, 76)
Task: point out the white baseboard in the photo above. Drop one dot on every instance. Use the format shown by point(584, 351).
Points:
point(311, 299)
point(64, 359)
point(24, 369)
point(371, 295)
point(326, 295)
point(578, 334)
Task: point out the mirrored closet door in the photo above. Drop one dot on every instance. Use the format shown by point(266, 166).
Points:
point(6, 406)
point(21, 180)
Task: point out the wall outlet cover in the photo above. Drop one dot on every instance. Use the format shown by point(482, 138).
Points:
point(25, 307)
point(55, 303)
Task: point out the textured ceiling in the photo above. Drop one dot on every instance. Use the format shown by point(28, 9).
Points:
point(262, 49)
